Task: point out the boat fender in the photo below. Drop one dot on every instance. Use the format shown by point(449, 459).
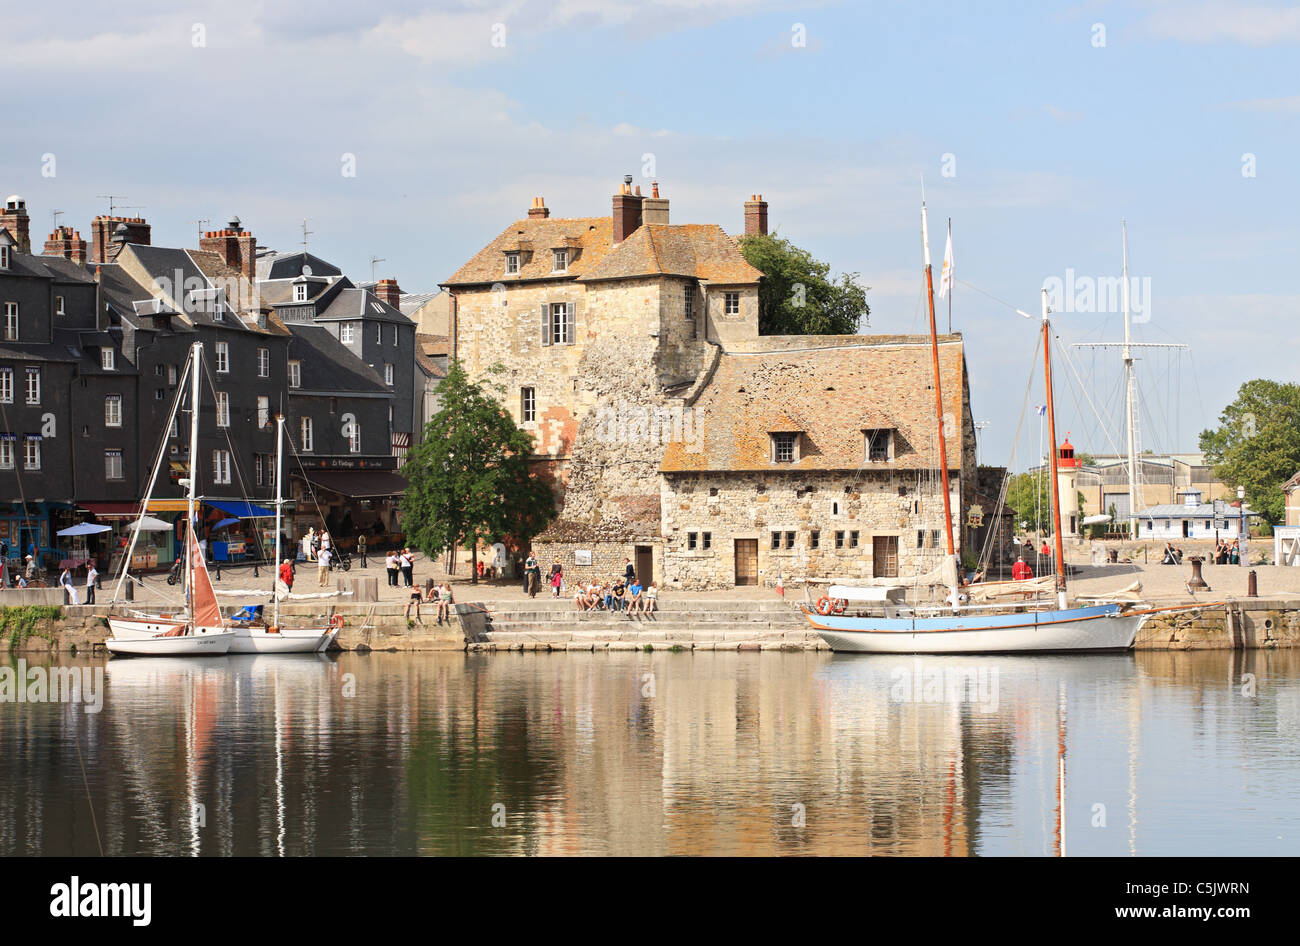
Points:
point(273, 629)
point(337, 621)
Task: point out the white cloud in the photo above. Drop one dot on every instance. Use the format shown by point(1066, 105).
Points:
point(1219, 21)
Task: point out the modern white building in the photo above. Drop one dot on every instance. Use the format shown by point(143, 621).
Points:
point(1191, 519)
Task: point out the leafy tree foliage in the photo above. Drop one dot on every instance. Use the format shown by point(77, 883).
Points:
point(1029, 494)
point(1257, 444)
point(469, 479)
point(798, 295)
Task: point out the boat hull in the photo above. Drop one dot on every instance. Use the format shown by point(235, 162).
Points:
point(209, 644)
point(289, 640)
point(1098, 628)
point(141, 628)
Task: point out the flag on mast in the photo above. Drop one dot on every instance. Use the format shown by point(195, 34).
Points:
point(945, 277)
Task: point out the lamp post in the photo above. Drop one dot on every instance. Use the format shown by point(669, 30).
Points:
point(1242, 558)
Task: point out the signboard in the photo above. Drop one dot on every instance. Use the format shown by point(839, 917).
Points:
point(348, 463)
point(582, 556)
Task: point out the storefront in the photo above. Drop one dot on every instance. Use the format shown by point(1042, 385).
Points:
point(237, 531)
point(32, 528)
point(351, 497)
point(153, 550)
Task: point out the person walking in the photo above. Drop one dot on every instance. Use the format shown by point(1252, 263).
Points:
point(323, 567)
point(92, 576)
point(390, 563)
point(557, 578)
point(407, 563)
point(361, 548)
point(286, 574)
point(629, 573)
point(534, 570)
point(65, 579)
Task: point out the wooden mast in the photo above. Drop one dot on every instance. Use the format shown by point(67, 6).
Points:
point(938, 386)
point(1051, 432)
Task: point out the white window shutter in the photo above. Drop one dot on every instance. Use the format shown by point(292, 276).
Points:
point(546, 324)
point(572, 308)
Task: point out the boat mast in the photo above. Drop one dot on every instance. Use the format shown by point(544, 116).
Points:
point(938, 387)
point(1051, 434)
point(191, 541)
point(1128, 394)
point(275, 571)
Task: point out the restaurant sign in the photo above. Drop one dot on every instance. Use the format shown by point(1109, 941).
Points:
point(348, 463)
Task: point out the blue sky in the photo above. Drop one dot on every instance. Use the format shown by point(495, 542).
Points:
point(1053, 137)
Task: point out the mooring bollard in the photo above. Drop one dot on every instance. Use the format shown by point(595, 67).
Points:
point(130, 590)
point(1196, 581)
point(1252, 584)
point(218, 571)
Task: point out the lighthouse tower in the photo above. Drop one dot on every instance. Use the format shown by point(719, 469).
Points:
point(1067, 489)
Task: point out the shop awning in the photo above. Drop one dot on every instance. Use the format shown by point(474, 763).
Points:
point(240, 510)
point(131, 510)
point(359, 484)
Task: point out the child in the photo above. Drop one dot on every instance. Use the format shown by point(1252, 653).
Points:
point(651, 602)
point(445, 601)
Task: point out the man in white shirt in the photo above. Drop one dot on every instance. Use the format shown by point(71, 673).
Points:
point(92, 576)
point(323, 565)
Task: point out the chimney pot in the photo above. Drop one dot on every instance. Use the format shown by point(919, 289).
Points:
point(654, 189)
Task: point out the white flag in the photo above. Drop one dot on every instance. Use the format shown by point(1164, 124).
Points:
point(945, 277)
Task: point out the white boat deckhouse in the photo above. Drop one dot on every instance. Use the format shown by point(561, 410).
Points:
point(1192, 519)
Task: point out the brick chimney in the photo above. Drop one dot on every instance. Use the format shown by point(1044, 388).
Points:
point(386, 290)
point(654, 209)
point(66, 242)
point(539, 210)
point(627, 211)
point(235, 245)
point(14, 219)
point(756, 216)
point(102, 229)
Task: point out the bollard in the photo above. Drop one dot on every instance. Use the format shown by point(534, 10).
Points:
point(218, 571)
point(1252, 584)
point(256, 574)
point(1196, 581)
point(130, 590)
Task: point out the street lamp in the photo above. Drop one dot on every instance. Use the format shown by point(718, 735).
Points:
point(1242, 557)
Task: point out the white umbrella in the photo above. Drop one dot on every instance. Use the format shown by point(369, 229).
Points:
point(150, 524)
point(84, 528)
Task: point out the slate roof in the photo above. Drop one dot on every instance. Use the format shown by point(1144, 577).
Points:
point(120, 291)
point(534, 238)
point(289, 266)
point(1180, 511)
point(411, 302)
point(695, 250)
point(45, 267)
point(821, 394)
point(166, 265)
point(328, 365)
point(360, 304)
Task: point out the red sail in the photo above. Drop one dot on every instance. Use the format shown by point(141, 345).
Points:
point(203, 599)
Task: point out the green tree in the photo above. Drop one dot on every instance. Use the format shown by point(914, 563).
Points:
point(469, 479)
point(798, 296)
point(1257, 443)
point(1029, 494)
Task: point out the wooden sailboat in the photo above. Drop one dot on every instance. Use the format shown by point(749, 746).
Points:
point(957, 628)
point(202, 631)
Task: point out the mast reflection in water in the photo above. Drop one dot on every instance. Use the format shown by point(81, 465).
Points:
point(645, 754)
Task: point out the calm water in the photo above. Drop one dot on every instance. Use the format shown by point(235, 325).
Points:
point(633, 753)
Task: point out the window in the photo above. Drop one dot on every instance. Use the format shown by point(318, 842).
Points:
point(6, 451)
point(814, 539)
point(560, 259)
point(789, 540)
point(731, 302)
point(32, 452)
point(264, 362)
point(258, 475)
point(112, 464)
point(220, 466)
point(379, 333)
point(263, 412)
point(171, 374)
point(4, 256)
point(394, 336)
point(223, 409)
point(58, 306)
point(839, 539)
point(878, 444)
point(300, 292)
point(307, 440)
point(692, 540)
point(6, 385)
point(512, 264)
point(927, 539)
point(688, 301)
point(295, 374)
point(783, 447)
point(223, 357)
point(388, 373)
point(853, 540)
point(345, 333)
point(527, 405)
point(354, 437)
point(11, 321)
point(113, 410)
point(33, 385)
point(558, 329)
point(776, 540)
point(107, 358)
point(158, 394)
point(176, 428)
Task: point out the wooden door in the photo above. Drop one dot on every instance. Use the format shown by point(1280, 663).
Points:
point(884, 556)
point(746, 561)
point(645, 559)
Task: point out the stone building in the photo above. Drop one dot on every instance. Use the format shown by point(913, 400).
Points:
point(679, 437)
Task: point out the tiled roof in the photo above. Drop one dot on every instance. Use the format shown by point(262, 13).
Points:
point(1292, 483)
point(428, 349)
point(701, 251)
point(824, 394)
point(534, 238)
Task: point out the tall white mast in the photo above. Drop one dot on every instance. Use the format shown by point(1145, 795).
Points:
point(195, 362)
point(1128, 394)
point(275, 571)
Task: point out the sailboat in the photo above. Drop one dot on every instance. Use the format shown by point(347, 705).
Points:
point(257, 638)
point(962, 628)
point(201, 631)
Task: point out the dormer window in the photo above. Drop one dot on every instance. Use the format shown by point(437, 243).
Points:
point(878, 446)
point(300, 292)
point(4, 256)
point(561, 260)
point(106, 358)
point(785, 447)
point(512, 264)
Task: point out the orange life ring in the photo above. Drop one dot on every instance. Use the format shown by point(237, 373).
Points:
point(337, 621)
point(824, 605)
point(839, 606)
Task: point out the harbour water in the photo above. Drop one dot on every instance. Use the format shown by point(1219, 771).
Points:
point(637, 753)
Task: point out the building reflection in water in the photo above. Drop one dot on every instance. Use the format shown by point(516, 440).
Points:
point(651, 754)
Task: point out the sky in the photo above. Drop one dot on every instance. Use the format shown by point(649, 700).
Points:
point(415, 132)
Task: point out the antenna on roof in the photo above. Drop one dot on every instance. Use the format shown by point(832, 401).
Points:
point(202, 224)
point(110, 198)
point(305, 233)
point(56, 214)
point(373, 261)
